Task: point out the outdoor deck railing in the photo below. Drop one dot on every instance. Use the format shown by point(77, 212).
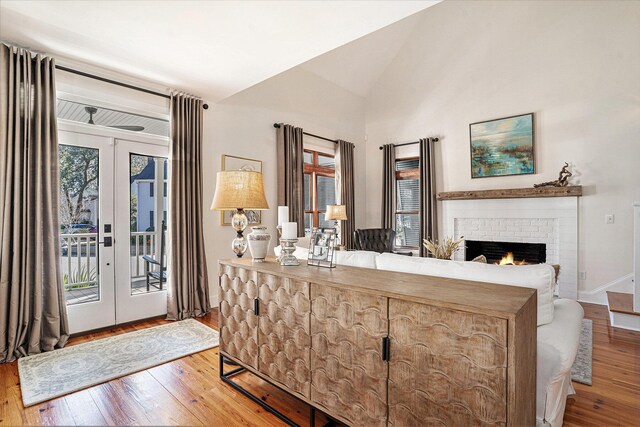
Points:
point(79, 252)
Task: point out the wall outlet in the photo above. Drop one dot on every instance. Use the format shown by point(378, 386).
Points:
point(582, 275)
point(609, 219)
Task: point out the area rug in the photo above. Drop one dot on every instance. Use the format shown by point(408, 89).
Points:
point(581, 369)
point(48, 375)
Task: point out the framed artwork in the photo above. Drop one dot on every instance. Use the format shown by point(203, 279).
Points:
point(502, 147)
point(322, 247)
point(231, 163)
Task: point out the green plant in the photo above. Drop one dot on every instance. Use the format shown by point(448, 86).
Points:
point(444, 249)
point(81, 278)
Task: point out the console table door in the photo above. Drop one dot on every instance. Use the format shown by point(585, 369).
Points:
point(238, 320)
point(348, 374)
point(283, 332)
point(447, 367)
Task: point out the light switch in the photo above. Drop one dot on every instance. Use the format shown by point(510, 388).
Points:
point(609, 219)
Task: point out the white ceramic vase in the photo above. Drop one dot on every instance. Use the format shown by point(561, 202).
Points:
point(259, 241)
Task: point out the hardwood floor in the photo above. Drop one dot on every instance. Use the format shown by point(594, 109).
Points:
point(614, 398)
point(188, 391)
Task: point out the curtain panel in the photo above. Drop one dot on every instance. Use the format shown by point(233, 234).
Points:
point(388, 186)
point(188, 285)
point(428, 206)
point(291, 172)
point(346, 192)
point(33, 316)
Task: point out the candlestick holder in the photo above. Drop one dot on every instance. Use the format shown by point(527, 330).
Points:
point(288, 247)
point(279, 230)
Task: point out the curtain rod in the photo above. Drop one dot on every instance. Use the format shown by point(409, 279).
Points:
point(277, 126)
point(410, 143)
point(117, 83)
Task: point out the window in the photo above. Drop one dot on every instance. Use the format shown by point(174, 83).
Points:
point(408, 203)
point(151, 189)
point(319, 188)
point(152, 222)
point(165, 189)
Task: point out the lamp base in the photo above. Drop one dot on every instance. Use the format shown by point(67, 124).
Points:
point(239, 222)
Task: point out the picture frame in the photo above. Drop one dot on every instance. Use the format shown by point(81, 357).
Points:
point(503, 147)
point(230, 163)
point(322, 248)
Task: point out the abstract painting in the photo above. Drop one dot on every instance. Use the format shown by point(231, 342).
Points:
point(502, 147)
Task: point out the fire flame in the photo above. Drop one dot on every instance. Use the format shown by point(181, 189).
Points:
point(508, 260)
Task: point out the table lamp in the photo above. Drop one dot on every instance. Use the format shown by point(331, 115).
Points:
point(336, 213)
point(239, 190)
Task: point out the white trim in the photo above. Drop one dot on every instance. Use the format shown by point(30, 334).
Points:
point(599, 295)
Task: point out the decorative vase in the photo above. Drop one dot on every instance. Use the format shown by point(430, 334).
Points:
point(259, 241)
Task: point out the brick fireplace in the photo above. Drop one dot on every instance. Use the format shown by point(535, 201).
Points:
point(550, 221)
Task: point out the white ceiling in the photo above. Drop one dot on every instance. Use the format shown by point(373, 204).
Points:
point(358, 65)
point(212, 49)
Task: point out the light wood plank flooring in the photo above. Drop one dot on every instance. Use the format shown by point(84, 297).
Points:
point(188, 391)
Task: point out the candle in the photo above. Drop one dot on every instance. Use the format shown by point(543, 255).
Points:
point(289, 230)
point(283, 214)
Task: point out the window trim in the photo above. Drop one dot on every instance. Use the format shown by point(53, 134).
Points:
point(404, 175)
point(315, 170)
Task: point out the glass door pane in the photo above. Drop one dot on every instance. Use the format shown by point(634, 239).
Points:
point(148, 196)
point(79, 202)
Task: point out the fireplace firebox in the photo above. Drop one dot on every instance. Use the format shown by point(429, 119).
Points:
point(531, 253)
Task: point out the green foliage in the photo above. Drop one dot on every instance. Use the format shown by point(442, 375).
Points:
point(133, 212)
point(82, 278)
point(78, 180)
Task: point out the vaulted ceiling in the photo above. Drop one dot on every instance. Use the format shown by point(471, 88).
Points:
point(212, 49)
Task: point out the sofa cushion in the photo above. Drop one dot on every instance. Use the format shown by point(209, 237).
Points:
point(558, 343)
point(538, 276)
point(365, 259)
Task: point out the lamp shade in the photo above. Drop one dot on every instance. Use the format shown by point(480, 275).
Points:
point(239, 190)
point(336, 212)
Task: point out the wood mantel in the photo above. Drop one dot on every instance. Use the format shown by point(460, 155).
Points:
point(513, 193)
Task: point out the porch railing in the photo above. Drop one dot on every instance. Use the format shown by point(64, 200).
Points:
point(79, 256)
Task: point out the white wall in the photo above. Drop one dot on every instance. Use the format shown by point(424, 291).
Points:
point(576, 65)
point(242, 125)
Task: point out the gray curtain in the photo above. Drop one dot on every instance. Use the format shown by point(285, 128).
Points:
point(33, 316)
point(189, 288)
point(428, 207)
point(388, 186)
point(291, 172)
point(346, 193)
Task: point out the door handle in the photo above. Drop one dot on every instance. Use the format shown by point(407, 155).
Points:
point(107, 242)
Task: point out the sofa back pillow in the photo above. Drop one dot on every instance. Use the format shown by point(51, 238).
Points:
point(364, 259)
point(537, 276)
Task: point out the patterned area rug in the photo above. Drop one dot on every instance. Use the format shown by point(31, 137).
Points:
point(581, 369)
point(59, 372)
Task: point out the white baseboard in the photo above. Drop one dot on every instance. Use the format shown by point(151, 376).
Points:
point(599, 295)
point(624, 321)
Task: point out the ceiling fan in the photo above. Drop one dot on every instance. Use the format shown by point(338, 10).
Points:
point(93, 110)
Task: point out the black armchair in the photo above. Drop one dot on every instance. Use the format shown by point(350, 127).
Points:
point(156, 278)
point(374, 239)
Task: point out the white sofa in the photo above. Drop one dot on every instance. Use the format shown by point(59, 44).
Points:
point(559, 320)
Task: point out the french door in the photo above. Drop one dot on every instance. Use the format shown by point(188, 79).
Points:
point(113, 214)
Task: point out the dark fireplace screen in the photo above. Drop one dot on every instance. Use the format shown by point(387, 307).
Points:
point(532, 253)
